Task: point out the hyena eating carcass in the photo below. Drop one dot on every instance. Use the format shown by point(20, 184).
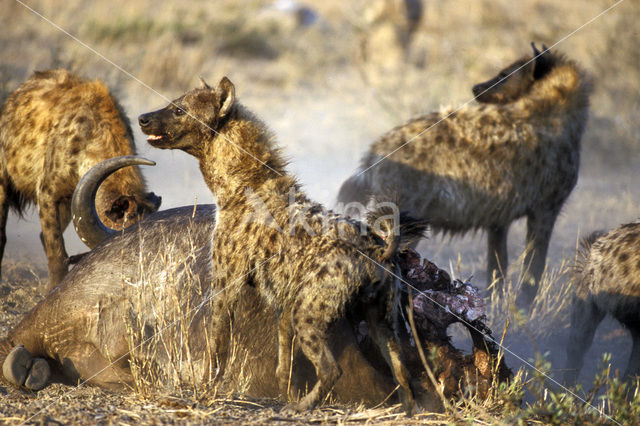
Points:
point(311, 265)
point(53, 129)
point(76, 332)
point(514, 154)
point(608, 282)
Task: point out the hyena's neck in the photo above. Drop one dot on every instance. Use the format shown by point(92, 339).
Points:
point(243, 158)
point(564, 91)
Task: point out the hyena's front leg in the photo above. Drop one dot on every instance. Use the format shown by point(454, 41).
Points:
point(285, 345)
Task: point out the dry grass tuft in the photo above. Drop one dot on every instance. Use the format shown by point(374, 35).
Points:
point(167, 320)
point(551, 307)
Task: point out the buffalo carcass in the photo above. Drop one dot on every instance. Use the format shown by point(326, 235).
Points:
point(136, 307)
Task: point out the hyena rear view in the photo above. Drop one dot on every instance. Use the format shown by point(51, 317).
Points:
point(515, 154)
point(608, 282)
point(53, 129)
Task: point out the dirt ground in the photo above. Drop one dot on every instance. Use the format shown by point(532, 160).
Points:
point(326, 101)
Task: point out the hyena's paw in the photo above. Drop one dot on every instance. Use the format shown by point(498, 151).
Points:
point(305, 404)
point(23, 370)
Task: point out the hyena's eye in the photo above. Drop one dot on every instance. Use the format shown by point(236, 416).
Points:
point(178, 111)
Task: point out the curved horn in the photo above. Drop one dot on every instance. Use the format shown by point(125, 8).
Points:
point(88, 225)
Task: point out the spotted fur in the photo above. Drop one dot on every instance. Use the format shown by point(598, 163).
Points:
point(515, 154)
point(312, 265)
point(53, 129)
point(607, 282)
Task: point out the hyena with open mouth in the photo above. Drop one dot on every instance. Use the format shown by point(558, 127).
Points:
point(313, 266)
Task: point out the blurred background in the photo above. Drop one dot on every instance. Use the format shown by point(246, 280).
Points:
point(330, 76)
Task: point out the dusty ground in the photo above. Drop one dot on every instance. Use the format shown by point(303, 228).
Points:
point(307, 83)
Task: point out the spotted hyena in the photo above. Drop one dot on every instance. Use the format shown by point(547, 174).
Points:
point(53, 129)
point(514, 154)
point(313, 266)
point(608, 282)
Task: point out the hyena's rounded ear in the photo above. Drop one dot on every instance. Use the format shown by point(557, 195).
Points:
point(536, 52)
point(203, 84)
point(227, 95)
point(543, 61)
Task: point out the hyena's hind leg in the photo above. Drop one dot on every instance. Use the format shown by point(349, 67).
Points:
point(384, 338)
point(4, 211)
point(311, 318)
point(585, 318)
point(64, 218)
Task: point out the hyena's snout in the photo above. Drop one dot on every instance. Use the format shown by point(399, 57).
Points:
point(478, 89)
point(148, 121)
point(151, 125)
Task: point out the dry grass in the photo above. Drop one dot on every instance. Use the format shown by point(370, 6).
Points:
point(308, 84)
point(551, 307)
point(166, 320)
point(159, 344)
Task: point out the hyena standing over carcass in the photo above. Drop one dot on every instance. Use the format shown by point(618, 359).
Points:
point(608, 282)
point(53, 129)
point(515, 154)
point(312, 266)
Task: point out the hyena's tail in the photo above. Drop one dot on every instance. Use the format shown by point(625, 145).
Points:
point(579, 278)
point(355, 189)
point(583, 252)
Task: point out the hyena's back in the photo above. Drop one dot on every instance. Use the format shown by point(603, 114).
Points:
point(56, 110)
point(610, 273)
point(476, 168)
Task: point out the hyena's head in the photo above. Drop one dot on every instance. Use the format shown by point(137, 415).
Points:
point(189, 121)
point(128, 209)
point(514, 81)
